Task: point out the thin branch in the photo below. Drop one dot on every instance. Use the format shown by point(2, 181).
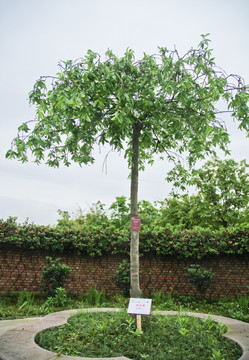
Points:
point(49, 77)
point(223, 112)
point(105, 161)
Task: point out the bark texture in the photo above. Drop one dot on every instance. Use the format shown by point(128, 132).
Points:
point(135, 290)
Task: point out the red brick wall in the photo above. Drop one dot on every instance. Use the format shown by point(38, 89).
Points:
point(22, 270)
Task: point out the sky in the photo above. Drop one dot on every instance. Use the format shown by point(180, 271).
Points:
point(36, 34)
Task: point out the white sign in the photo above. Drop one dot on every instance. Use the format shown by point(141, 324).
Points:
point(139, 306)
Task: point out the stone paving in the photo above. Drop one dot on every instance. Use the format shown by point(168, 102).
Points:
point(17, 336)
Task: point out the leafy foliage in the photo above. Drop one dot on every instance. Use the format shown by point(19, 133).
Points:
point(59, 299)
point(114, 334)
point(55, 275)
point(25, 300)
point(96, 241)
point(21, 304)
point(95, 297)
point(221, 200)
point(96, 216)
point(200, 277)
point(122, 277)
point(223, 189)
point(120, 213)
point(169, 99)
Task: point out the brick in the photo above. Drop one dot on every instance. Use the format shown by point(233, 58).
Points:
point(21, 270)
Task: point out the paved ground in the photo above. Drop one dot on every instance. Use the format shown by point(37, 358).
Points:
point(17, 336)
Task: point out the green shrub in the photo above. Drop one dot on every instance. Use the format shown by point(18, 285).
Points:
point(122, 277)
point(200, 277)
point(54, 275)
point(98, 240)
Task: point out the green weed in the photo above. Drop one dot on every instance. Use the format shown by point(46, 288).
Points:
point(243, 303)
point(25, 299)
point(94, 297)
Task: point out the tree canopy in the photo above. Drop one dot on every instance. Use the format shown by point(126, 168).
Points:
point(171, 99)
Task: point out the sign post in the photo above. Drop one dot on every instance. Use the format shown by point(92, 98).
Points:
point(139, 322)
point(139, 307)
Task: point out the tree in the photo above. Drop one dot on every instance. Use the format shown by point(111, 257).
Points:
point(180, 211)
point(120, 213)
point(163, 104)
point(94, 217)
point(223, 190)
point(221, 200)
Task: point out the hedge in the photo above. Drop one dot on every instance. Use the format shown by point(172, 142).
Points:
point(95, 241)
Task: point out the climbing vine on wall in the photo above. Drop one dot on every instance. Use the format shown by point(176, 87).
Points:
point(97, 241)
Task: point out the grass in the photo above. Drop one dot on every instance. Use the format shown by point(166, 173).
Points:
point(162, 337)
point(234, 308)
point(25, 304)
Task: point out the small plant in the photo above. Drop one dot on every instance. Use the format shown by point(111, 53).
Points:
point(122, 277)
point(243, 304)
point(58, 300)
point(25, 299)
point(161, 298)
point(200, 277)
point(54, 275)
point(216, 355)
point(94, 296)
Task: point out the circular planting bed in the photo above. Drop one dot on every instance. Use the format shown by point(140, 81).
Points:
point(114, 334)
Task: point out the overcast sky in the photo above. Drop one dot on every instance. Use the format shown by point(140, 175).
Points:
point(36, 34)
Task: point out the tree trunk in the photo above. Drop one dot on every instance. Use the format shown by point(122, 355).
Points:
point(135, 291)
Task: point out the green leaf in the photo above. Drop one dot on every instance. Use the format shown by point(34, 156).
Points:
point(24, 127)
